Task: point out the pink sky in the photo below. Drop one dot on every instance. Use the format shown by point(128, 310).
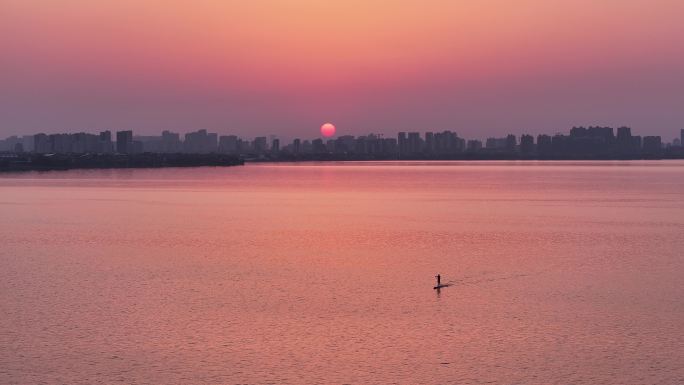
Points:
point(480, 67)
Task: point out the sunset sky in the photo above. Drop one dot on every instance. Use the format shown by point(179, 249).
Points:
point(480, 67)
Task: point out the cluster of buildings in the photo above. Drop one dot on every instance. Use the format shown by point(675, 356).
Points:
point(579, 143)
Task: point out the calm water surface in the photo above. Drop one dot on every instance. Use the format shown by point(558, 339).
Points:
point(323, 273)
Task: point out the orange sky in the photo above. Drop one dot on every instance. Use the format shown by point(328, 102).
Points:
point(286, 66)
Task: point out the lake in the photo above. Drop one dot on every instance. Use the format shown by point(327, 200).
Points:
point(318, 273)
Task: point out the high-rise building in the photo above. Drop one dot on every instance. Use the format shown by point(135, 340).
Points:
point(496, 143)
point(170, 142)
point(61, 143)
point(360, 145)
point(260, 144)
point(211, 144)
point(104, 142)
point(578, 132)
point(474, 145)
point(601, 132)
point(15, 143)
point(403, 143)
point(124, 142)
point(228, 144)
point(429, 142)
point(345, 144)
point(624, 134)
point(27, 143)
point(544, 145)
point(149, 143)
point(626, 145)
point(526, 144)
point(200, 142)
point(78, 143)
point(653, 145)
point(370, 144)
point(560, 145)
point(636, 143)
point(389, 146)
point(245, 146)
point(41, 144)
point(415, 143)
point(317, 146)
point(448, 142)
point(106, 136)
point(511, 142)
point(137, 147)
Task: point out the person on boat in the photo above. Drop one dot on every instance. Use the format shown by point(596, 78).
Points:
point(439, 278)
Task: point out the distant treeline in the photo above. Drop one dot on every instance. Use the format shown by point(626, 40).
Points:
point(45, 162)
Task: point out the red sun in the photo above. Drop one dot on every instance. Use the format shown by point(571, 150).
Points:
point(328, 130)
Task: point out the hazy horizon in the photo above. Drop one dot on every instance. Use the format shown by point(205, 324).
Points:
point(285, 67)
point(286, 139)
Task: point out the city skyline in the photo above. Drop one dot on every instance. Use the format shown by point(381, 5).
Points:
point(593, 142)
point(669, 138)
point(480, 68)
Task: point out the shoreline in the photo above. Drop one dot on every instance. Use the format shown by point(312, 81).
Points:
point(63, 162)
point(465, 158)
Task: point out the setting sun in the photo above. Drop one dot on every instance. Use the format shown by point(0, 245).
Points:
point(328, 130)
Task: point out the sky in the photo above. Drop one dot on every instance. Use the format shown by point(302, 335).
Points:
point(276, 67)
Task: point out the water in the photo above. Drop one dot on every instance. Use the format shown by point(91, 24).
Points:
point(322, 273)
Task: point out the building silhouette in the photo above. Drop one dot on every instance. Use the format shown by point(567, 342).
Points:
point(260, 145)
point(105, 143)
point(527, 145)
point(403, 143)
point(170, 142)
point(124, 142)
point(415, 143)
point(228, 144)
point(594, 142)
point(429, 143)
point(496, 144)
point(544, 146)
point(474, 145)
point(653, 146)
point(297, 146)
point(42, 144)
point(200, 142)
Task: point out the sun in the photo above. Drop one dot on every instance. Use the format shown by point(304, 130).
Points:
point(328, 130)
